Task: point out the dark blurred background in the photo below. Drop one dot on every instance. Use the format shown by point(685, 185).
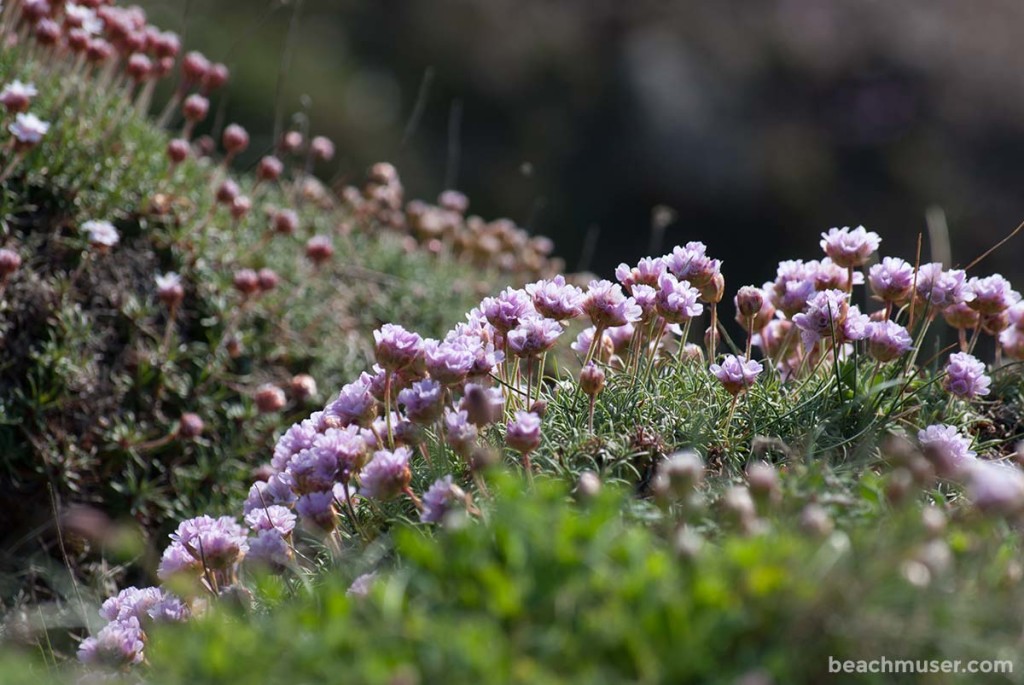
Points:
point(757, 125)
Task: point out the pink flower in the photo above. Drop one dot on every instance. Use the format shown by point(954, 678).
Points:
point(735, 374)
point(892, 280)
point(965, 376)
point(887, 340)
point(555, 299)
point(850, 247)
point(607, 306)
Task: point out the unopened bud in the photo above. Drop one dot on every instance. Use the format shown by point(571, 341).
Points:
point(190, 426)
point(303, 387)
point(592, 379)
point(814, 520)
point(270, 398)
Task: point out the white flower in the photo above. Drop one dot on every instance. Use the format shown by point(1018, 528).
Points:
point(84, 17)
point(101, 233)
point(18, 89)
point(167, 280)
point(28, 129)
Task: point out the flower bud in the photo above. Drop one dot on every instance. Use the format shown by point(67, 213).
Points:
point(139, 67)
point(291, 142)
point(227, 192)
point(10, 261)
point(679, 475)
point(240, 207)
point(195, 108)
point(589, 485)
point(48, 32)
point(815, 521)
point(322, 148)
point(190, 426)
point(592, 379)
point(178, 150)
point(285, 222)
point(302, 387)
point(268, 279)
point(319, 249)
point(714, 290)
point(270, 398)
point(247, 282)
point(269, 168)
point(235, 139)
point(195, 66)
point(216, 78)
point(763, 481)
point(749, 301)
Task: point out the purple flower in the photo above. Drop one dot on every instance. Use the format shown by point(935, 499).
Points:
point(423, 401)
point(522, 433)
point(460, 433)
point(965, 376)
point(28, 129)
point(361, 586)
point(449, 362)
point(170, 609)
point(533, 336)
point(607, 306)
point(855, 327)
point(273, 517)
point(437, 500)
point(269, 547)
point(828, 275)
point(396, 348)
point(736, 374)
point(346, 447)
point(621, 337)
point(555, 299)
point(318, 509)
point(942, 288)
point(276, 490)
point(131, 602)
point(992, 294)
point(177, 560)
point(849, 247)
point(945, 448)
point(504, 311)
point(585, 339)
point(961, 316)
point(483, 406)
point(217, 543)
point(297, 438)
point(794, 285)
point(646, 298)
point(995, 488)
point(312, 470)
point(892, 280)
point(387, 474)
point(120, 643)
point(1012, 341)
point(677, 300)
point(690, 263)
point(647, 272)
point(355, 404)
point(887, 340)
point(826, 312)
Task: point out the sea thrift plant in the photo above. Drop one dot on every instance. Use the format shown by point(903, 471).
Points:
point(965, 376)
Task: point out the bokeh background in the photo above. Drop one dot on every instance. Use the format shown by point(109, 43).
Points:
point(752, 126)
